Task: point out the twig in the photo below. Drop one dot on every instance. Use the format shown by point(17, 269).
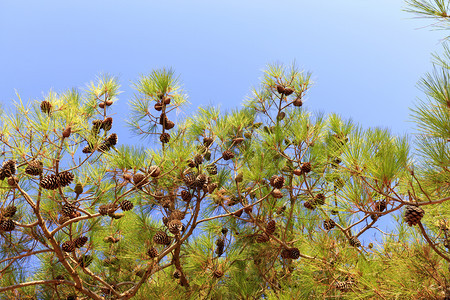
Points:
point(425, 235)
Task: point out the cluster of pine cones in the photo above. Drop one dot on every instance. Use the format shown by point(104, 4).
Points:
point(161, 105)
point(108, 143)
point(318, 199)
point(54, 181)
point(70, 246)
point(287, 91)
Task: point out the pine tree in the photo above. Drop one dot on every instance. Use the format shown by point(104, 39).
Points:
point(267, 201)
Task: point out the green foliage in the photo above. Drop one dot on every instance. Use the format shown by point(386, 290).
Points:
point(232, 205)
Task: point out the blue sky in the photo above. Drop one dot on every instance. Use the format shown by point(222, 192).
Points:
point(366, 56)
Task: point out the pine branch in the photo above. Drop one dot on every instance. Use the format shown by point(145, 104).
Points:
point(430, 242)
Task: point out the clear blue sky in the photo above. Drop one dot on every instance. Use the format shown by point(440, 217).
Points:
point(366, 55)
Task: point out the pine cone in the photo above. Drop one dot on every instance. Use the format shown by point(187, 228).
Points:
point(159, 196)
point(65, 178)
point(127, 177)
point(309, 205)
point(270, 227)
point(189, 179)
point(306, 167)
point(139, 180)
point(238, 213)
point(104, 147)
point(103, 209)
point(59, 277)
point(7, 225)
point(272, 180)
point(198, 159)
point(207, 141)
point(227, 155)
point(63, 219)
point(185, 195)
point(328, 224)
point(343, 286)
point(75, 214)
point(220, 243)
point(154, 171)
point(288, 91)
point(177, 215)
point(126, 205)
point(107, 124)
point(281, 210)
point(46, 107)
point(88, 149)
point(248, 210)
point(110, 239)
point(354, 242)
point(191, 163)
point(112, 139)
point(298, 102)
point(413, 214)
point(34, 168)
point(166, 100)
point(67, 131)
point(278, 182)
point(211, 187)
point(285, 253)
point(164, 138)
point(380, 205)
point(319, 199)
point(294, 253)
point(169, 125)
point(297, 172)
point(50, 182)
point(175, 226)
point(207, 155)
point(80, 241)
point(152, 252)
point(68, 246)
point(107, 209)
point(112, 207)
point(158, 106)
point(161, 238)
point(85, 260)
point(96, 126)
point(374, 217)
point(211, 169)
point(200, 180)
point(277, 194)
point(280, 89)
point(262, 238)
point(9, 168)
point(68, 209)
point(13, 180)
point(9, 211)
point(176, 274)
point(217, 274)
